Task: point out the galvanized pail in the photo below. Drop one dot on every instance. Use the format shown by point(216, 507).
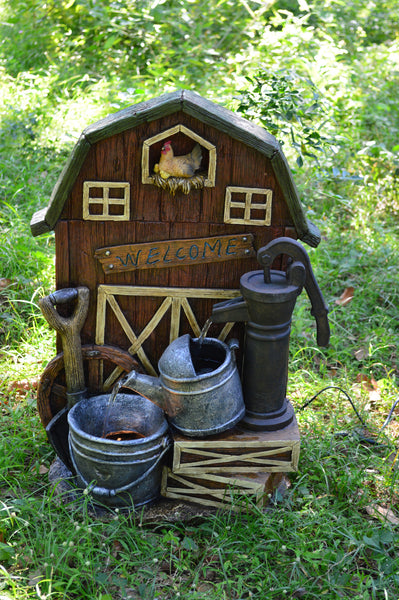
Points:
point(121, 473)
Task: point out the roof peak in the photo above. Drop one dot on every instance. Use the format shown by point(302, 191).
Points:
point(206, 111)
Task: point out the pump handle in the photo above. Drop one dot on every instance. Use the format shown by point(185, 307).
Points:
point(295, 250)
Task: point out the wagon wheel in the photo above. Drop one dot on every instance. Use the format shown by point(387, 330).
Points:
point(103, 366)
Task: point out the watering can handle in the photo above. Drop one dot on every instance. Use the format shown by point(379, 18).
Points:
point(69, 329)
point(295, 250)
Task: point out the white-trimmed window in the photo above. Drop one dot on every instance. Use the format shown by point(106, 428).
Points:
point(106, 201)
point(248, 206)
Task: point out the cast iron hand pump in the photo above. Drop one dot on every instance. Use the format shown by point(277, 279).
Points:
point(266, 305)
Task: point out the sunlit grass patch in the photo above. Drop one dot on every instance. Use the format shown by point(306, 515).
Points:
point(333, 535)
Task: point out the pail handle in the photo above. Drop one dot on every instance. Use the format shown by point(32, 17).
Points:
point(110, 493)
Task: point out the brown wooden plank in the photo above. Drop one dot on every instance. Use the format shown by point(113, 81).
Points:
point(62, 255)
point(83, 270)
point(213, 198)
point(168, 254)
point(62, 263)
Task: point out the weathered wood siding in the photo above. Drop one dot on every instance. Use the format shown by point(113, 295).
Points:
point(156, 215)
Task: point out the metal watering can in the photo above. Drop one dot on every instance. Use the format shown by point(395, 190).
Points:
point(198, 387)
point(267, 302)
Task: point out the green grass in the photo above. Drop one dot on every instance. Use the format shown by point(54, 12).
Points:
point(328, 537)
point(319, 541)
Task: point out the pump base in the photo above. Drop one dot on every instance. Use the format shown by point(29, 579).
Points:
point(269, 421)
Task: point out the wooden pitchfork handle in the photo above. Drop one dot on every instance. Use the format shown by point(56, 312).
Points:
point(69, 330)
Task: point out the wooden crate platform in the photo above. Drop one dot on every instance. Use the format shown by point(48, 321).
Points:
point(220, 491)
point(238, 451)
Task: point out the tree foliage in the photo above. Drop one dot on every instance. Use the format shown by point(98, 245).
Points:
point(320, 75)
point(289, 106)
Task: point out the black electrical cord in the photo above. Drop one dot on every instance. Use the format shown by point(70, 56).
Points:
point(389, 417)
point(335, 387)
point(363, 438)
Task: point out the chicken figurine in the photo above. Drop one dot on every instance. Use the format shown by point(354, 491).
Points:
point(178, 166)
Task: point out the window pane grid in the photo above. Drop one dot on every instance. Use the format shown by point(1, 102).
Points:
point(106, 202)
point(246, 205)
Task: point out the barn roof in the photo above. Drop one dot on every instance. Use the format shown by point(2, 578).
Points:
point(205, 111)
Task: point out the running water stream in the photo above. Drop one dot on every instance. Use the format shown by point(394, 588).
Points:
point(110, 405)
point(122, 434)
point(204, 330)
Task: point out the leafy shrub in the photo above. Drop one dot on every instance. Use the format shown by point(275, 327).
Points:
point(290, 107)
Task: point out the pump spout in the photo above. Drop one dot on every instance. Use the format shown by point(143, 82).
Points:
point(319, 310)
point(230, 311)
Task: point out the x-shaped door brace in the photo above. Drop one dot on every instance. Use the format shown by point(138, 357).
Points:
point(175, 299)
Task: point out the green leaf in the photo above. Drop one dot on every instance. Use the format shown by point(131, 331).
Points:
point(189, 544)
point(6, 552)
point(111, 41)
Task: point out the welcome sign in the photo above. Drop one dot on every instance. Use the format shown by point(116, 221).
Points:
point(172, 253)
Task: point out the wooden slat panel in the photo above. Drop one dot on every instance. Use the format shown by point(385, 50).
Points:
point(238, 451)
point(135, 339)
point(220, 491)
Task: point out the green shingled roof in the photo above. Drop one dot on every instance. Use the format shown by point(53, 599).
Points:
point(205, 111)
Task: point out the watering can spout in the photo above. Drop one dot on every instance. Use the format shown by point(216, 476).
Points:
point(198, 386)
point(149, 387)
